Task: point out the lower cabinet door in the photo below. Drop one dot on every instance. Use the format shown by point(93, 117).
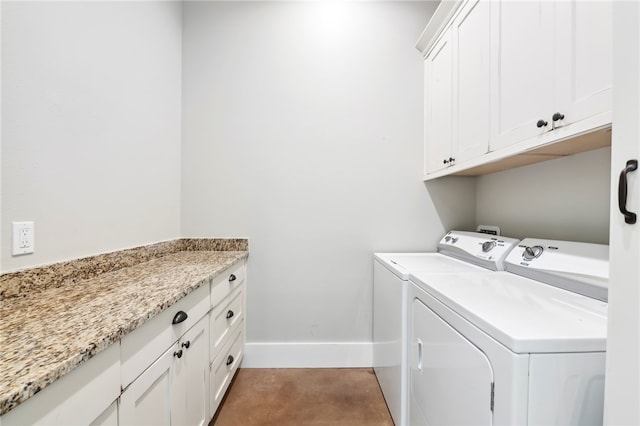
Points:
point(147, 400)
point(109, 417)
point(190, 387)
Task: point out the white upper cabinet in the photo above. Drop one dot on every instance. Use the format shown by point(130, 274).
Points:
point(438, 68)
point(552, 66)
point(457, 90)
point(505, 80)
point(471, 94)
point(522, 74)
point(584, 59)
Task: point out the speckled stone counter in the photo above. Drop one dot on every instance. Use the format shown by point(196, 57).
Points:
point(54, 318)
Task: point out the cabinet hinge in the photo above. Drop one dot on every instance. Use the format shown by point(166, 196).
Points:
point(493, 387)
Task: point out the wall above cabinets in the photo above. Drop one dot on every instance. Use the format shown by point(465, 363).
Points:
point(504, 90)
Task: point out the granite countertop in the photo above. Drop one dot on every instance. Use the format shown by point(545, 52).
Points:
point(47, 329)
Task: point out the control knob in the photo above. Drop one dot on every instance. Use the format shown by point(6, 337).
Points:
point(532, 252)
point(488, 246)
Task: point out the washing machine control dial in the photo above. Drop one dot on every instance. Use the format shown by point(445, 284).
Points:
point(532, 252)
point(488, 246)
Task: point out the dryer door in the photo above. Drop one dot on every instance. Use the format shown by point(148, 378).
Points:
point(450, 378)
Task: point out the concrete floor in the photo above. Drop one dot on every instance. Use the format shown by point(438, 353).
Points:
point(318, 397)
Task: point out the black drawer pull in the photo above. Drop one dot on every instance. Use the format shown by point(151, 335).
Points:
point(230, 360)
point(180, 317)
point(178, 353)
point(230, 314)
point(232, 278)
point(629, 217)
point(186, 344)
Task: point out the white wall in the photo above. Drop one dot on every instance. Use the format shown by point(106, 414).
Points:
point(302, 130)
point(91, 103)
point(563, 199)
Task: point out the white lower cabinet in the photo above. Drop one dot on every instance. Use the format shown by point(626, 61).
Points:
point(226, 331)
point(147, 400)
point(173, 390)
point(185, 384)
point(81, 397)
point(109, 417)
point(190, 390)
point(172, 370)
point(224, 367)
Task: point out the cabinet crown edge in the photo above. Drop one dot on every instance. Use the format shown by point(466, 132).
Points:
point(437, 24)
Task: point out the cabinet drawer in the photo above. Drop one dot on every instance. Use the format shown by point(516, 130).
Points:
point(224, 318)
point(227, 282)
point(224, 367)
point(144, 345)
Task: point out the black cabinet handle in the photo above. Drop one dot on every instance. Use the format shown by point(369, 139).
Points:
point(230, 314)
point(445, 161)
point(450, 160)
point(179, 317)
point(557, 116)
point(629, 217)
point(186, 344)
point(232, 278)
point(230, 360)
point(178, 353)
point(541, 123)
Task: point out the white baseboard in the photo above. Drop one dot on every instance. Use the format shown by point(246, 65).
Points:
point(308, 355)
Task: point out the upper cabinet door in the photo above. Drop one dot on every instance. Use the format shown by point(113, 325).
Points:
point(584, 57)
point(438, 108)
point(523, 71)
point(471, 32)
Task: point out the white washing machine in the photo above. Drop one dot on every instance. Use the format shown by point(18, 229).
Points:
point(483, 254)
point(504, 349)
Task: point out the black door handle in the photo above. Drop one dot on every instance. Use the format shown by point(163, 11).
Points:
point(629, 217)
point(230, 360)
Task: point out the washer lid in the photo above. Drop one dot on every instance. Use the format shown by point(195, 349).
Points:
point(522, 314)
point(403, 264)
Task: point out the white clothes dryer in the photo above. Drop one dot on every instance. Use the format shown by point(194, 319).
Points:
point(504, 349)
point(482, 253)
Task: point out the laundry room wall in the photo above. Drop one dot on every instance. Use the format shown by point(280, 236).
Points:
point(90, 126)
point(302, 131)
point(563, 199)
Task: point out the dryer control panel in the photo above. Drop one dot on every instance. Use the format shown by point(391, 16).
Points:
point(578, 267)
point(488, 251)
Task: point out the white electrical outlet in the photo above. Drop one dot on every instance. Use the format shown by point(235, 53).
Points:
point(23, 238)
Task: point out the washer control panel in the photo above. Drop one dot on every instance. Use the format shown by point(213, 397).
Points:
point(579, 267)
point(478, 248)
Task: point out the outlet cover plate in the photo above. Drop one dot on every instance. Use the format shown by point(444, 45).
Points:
point(23, 238)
